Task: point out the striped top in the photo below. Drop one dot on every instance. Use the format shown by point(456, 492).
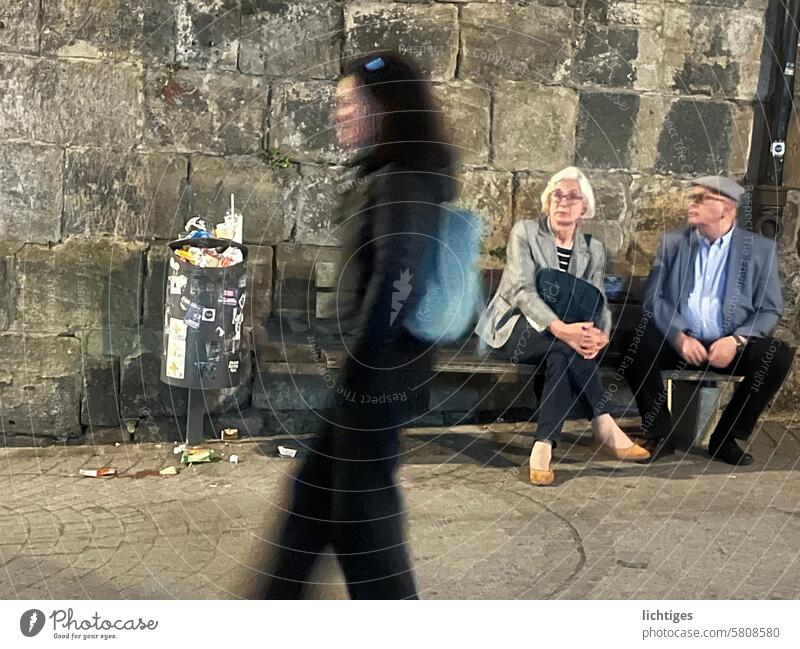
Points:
point(563, 257)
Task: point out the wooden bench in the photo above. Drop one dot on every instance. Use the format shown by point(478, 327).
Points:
point(692, 396)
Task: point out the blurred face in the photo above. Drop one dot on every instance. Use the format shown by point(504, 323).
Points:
point(353, 126)
point(710, 212)
point(566, 205)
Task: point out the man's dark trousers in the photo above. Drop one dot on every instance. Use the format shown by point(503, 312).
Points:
point(764, 363)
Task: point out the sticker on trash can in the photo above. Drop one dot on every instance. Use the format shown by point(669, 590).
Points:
point(228, 298)
point(194, 315)
point(177, 284)
point(209, 315)
point(173, 264)
point(176, 358)
point(233, 366)
point(177, 329)
point(185, 303)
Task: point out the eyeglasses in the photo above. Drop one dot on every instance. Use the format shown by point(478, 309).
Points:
point(702, 197)
point(569, 198)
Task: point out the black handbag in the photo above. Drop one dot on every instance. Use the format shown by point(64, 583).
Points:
point(571, 299)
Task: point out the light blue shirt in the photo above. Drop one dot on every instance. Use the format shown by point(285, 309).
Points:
point(704, 309)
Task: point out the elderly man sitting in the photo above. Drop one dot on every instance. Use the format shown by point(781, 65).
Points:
point(712, 298)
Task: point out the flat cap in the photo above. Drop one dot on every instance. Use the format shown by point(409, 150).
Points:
point(722, 186)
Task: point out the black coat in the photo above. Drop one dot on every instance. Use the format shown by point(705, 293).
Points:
point(391, 224)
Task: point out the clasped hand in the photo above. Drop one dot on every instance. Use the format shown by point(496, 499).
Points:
point(584, 337)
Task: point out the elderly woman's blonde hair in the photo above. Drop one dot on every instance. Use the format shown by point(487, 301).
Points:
point(570, 173)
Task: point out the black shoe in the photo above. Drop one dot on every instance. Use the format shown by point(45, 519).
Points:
point(729, 451)
point(658, 448)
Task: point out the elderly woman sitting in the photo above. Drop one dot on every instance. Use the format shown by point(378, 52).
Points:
point(520, 323)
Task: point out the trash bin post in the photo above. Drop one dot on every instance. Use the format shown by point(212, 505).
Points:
point(194, 418)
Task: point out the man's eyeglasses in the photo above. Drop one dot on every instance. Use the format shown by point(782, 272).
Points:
point(702, 197)
point(567, 197)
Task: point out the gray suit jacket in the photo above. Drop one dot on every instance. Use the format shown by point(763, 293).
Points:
point(752, 301)
point(531, 246)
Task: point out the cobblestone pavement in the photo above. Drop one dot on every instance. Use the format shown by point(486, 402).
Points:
point(683, 528)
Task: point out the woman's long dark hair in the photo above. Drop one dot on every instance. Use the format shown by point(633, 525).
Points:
point(411, 126)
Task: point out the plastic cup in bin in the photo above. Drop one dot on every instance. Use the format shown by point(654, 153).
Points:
point(203, 314)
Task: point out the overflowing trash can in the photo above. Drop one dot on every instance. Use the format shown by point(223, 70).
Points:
point(203, 315)
point(204, 301)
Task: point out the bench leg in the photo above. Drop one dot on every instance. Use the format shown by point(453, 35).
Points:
point(684, 404)
point(194, 418)
point(696, 410)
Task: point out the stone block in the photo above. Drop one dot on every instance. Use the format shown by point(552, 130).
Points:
point(79, 284)
point(157, 430)
point(127, 195)
point(142, 394)
point(318, 205)
point(621, 45)
point(100, 396)
point(295, 296)
point(606, 124)
point(190, 110)
point(650, 118)
point(534, 126)
point(274, 344)
point(95, 436)
point(659, 205)
point(266, 196)
point(712, 50)
point(249, 422)
point(301, 123)
point(740, 135)
point(40, 387)
point(19, 30)
point(429, 34)
point(30, 200)
point(695, 138)
point(109, 28)
point(207, 33)
point(606, 57)
point(277, 388)
point(48, 407)
point(8, 289)
point(48, 100)
point(294, 423)
point(489, 194)
point(513, 42)
point(259, 286)
point(301, 40)
point(466, 108)
point(610, 233)
point(122, 342)
point(154, 287)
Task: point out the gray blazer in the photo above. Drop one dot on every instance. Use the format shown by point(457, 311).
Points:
point(752, 302)
point(532, 246)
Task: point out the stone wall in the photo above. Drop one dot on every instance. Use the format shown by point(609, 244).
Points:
point(120, 118)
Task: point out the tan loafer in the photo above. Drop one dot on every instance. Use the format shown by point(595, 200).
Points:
point(542, 478)
point(632, 453)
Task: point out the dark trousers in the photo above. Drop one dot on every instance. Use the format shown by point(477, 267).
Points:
point(764, 363)
point(345, 496)
point(568, 378)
